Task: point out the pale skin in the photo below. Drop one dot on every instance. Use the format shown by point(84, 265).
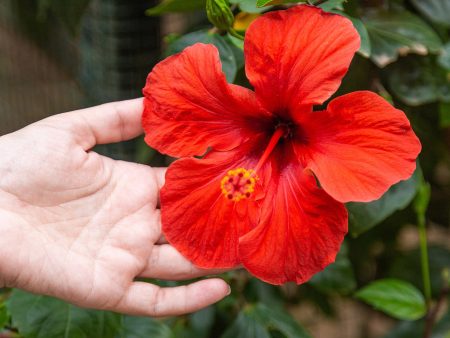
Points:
point(82, 227)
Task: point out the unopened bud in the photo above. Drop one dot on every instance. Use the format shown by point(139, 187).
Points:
point(219, 13)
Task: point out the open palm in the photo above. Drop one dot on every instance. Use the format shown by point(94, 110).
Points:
point(80, 226)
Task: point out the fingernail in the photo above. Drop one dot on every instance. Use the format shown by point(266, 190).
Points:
point(229, 290)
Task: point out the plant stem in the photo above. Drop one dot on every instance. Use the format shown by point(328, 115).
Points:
point(432, 314)
point(424, 258)
point(235, 34)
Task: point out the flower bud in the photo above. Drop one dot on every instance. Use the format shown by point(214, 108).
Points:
point(219, 13)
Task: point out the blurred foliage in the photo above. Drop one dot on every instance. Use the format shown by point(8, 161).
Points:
point(170, 6)
point(40, 316)
point(259, 320)
point(395, 297)
point(436, 11)
point(394, 33)
point(68, 11)
point(363, 216)
point(405, 57)
point(35, 16)
point(4, 315)
point(406, 267)
point(232, 58)
point(337, 278)
point(415, 329)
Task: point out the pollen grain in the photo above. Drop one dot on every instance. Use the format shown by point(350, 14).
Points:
point(238, 184)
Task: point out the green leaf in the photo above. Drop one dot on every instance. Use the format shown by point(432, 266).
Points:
point(338, 277)
point(249, 6)
point(444, 56)
point(326, 6)
point(46, 317)
point(202, 321)
point(265, 3)
point(332, 4)
point(418, 80)
point(4, 316)
point(278, 320)
point(238, 43)
point(258, 291)
point(444, 114)
point(257, 321)
point(394, 297)
point(237, 47)
point(246, 327)
point(399, 33)
point(143, 327)
point(363, 216)
point(172, 6)
point(225, 47)
point(437, 11)
point(198, 324)
point(365, 48)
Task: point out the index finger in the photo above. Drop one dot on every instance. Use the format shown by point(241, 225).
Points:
point(107, 123)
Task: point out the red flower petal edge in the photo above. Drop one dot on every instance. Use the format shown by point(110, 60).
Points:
point(189, 106)
point(358, 147)
point(298, 56)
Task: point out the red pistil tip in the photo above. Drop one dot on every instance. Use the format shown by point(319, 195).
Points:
point(238, 184)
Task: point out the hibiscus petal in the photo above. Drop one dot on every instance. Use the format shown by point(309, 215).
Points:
point(198, 219)
point(358, 147)
point(189, 106)
point(298, 56)
point(300, 230)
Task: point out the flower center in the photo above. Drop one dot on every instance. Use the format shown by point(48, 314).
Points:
point(240, 183)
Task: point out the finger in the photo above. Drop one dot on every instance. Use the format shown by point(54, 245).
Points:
point(167, 263)
point(158, 227)
point(144, 299)
point(160, 175)
point(107, 123)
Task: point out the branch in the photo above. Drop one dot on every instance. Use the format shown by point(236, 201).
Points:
point(432, 314)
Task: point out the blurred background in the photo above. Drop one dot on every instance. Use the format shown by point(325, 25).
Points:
point(62, 55)
point(57, 56)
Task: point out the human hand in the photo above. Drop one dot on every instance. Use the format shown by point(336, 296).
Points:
point(81, 227)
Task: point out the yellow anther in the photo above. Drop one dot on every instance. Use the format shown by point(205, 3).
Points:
point(238, 184)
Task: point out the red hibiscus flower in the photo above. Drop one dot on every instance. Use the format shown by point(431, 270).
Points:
point(254, 199)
